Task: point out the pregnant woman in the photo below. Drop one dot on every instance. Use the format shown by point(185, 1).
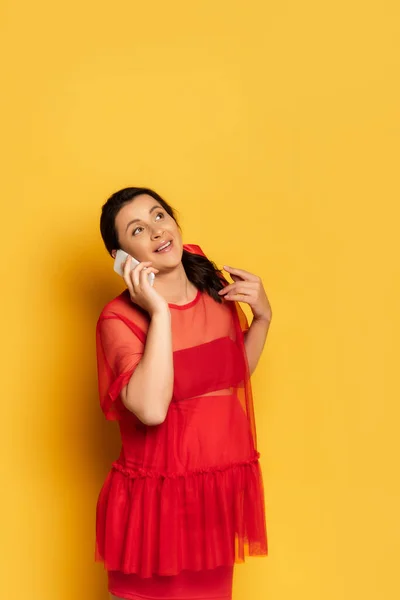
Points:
point(184, 501)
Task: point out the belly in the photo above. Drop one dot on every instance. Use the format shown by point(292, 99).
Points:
point(213, 431)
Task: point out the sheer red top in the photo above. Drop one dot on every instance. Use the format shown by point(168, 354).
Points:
point(185, 494)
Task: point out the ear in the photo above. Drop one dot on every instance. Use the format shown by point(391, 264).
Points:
point(113, 253)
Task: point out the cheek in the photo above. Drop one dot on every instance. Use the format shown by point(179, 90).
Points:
point(136, 247)
point(176, 232)
point(178, 237)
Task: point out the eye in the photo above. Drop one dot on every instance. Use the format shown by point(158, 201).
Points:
point(137, 230)
point(160, 214)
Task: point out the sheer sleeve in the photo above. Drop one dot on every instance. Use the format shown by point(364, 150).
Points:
point(244, 389)
point(243, 321)
point(119, 351)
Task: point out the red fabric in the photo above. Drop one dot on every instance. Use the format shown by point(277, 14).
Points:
point(187, 494)
point(215, 584)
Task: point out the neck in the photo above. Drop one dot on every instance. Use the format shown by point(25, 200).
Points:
point(174, 286)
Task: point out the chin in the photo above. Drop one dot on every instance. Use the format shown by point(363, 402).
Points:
point(169, 261)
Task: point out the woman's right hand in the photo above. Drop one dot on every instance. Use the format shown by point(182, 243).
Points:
point(140, 290)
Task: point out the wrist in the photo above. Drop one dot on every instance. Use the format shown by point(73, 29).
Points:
point(265, 319)
point(161, 312)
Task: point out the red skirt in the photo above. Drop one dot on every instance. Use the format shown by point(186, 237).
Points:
point(186, 585)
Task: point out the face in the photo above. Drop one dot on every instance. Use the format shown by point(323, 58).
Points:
point(147, 232)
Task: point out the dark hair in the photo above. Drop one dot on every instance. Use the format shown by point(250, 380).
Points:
point(200, 270)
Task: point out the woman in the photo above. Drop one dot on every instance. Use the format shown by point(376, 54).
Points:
point(184, 500)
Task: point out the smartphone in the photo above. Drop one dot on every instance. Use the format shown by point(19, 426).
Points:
point(120, 258)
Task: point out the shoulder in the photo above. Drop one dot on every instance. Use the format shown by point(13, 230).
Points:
point(122, 308)
point(116, 305)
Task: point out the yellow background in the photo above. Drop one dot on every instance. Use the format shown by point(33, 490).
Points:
point(274, 129)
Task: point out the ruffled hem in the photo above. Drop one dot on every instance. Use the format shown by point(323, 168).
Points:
point(139, 472)
point(162, 523)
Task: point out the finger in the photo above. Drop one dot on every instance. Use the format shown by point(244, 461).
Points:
point(251, 295)
point(240, 286)
point(229, 288)
point(135, 274)
point(245, 275)
point(127, 266)
point(239, 298)
point(127, 274)
point(144, 276)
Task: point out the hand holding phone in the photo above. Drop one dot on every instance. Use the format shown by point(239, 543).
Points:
point(120, 259)
point(134, 275)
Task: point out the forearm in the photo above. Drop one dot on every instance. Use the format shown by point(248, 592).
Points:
point(254, 341)
point(149, 391)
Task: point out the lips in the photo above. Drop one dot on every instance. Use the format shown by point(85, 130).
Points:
point(164, 247)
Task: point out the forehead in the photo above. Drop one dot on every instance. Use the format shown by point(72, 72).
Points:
point(138, 208)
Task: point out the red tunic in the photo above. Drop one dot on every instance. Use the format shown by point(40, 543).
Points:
point(185, 495)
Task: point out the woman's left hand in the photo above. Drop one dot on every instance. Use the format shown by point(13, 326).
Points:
point(248, 288)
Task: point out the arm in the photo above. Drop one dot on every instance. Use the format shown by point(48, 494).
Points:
point(149, 390)
point(248, 288)
point(254, 341)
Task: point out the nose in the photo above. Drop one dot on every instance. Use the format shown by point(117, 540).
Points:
point(157, 233)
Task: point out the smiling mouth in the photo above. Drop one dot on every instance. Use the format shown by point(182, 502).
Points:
point(164, 247)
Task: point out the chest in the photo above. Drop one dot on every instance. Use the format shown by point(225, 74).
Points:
point(206, 355)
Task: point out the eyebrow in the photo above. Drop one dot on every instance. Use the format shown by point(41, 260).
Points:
point(137, 220)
